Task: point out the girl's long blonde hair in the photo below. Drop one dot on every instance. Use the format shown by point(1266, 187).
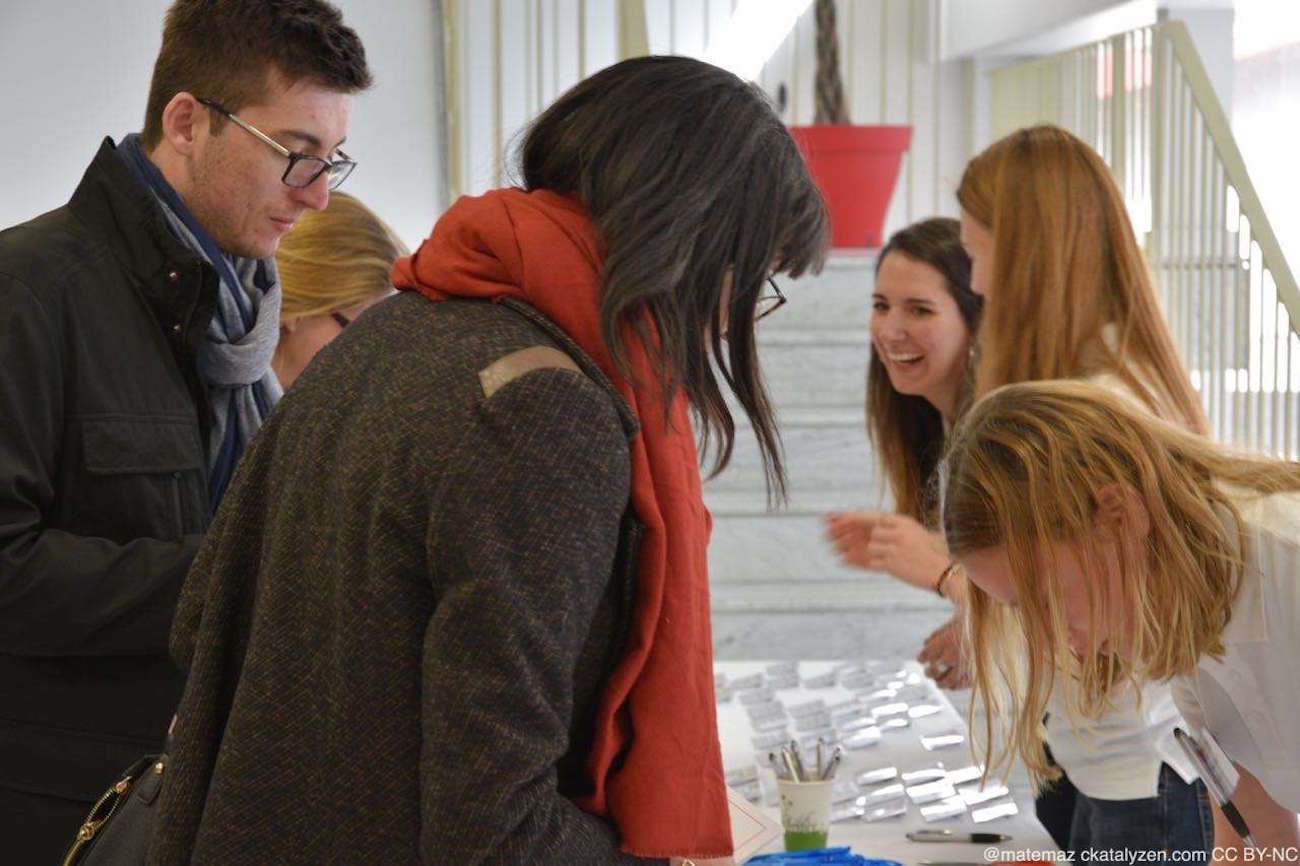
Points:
point(1066, 264)
point(335, 259)
point(1028, 466)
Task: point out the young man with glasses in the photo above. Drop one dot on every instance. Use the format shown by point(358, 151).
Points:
point(137, 325)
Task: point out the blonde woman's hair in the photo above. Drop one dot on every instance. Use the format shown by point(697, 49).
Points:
point(335, 259)
point(1066, 264)
point(1041, 463)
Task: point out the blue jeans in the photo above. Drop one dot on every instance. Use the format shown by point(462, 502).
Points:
point(1177, 818)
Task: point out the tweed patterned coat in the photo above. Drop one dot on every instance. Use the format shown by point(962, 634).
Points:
point(396, 629)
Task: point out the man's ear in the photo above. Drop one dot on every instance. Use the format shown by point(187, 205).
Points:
point(182, 121)
point(288, 326)
point(1120, 507)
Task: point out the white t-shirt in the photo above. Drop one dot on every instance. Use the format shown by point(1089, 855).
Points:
point(1118, 756)
point(1250, 700)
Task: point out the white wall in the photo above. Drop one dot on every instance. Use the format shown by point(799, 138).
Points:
point(1210, 27)
point(73, 71)
point(513, 58)
point(889, 58)
point(972, 26)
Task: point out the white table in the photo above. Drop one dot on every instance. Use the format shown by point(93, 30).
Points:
point(902, 748)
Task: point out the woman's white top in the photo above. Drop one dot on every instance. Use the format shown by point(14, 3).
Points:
point(1250, 700)
point(1118, 756)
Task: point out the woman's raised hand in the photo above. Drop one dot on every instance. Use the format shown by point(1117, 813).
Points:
point(892, 543)
point(849, 532)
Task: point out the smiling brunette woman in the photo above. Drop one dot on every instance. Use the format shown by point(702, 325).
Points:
point(923, 320)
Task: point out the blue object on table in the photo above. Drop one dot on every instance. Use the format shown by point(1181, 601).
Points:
point(822, 856)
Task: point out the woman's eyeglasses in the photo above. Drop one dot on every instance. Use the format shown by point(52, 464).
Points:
point(769, 304)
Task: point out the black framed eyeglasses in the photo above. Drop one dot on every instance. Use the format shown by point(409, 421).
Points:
point(303, 168)
point(769, 304)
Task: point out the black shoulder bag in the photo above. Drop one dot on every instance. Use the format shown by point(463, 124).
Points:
point(117, 830)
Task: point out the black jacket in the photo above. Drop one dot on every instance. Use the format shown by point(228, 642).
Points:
point(103, 479)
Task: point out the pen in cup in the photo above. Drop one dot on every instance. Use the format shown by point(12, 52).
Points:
point(781, 772)
point(829, 772)
point(800, 774)
point(790, 764)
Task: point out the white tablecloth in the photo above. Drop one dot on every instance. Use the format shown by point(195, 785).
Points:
point(900, 748)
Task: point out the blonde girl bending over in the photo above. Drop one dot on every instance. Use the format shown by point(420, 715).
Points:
point(1108, 549)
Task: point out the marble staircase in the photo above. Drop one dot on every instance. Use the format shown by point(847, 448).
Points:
point(778, 592)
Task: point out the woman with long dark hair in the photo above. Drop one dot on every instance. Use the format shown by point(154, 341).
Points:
point(924, 318)
point(455, 609)
point(923, 321)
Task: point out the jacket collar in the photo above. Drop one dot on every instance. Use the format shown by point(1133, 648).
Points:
point(176, 284)
point(111, 199)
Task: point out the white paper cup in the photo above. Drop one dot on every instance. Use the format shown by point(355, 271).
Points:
point(805, 813)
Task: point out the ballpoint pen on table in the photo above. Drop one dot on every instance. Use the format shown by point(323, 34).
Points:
point(950, 836)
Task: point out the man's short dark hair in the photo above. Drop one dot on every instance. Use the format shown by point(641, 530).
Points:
point(224, 50)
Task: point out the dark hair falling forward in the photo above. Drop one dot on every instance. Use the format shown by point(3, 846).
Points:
point(687, 172)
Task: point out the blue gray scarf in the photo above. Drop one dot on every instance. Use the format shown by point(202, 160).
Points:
point(234, 360)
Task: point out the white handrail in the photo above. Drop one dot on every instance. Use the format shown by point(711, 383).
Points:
point(1216, 121)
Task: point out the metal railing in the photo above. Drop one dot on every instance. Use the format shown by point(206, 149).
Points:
point(1145, 102)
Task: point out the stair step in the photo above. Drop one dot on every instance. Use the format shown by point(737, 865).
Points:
point(838, 298)
point(825, 450)
point(870, 592)
point(759, 548)
point(823, 634)
point(816, 369)
point(801, 503)
point(772, 572)
point(829, 335)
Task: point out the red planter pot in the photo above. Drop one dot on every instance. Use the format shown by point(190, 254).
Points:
point(856, 168)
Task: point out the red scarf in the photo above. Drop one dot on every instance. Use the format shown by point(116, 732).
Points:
point(655, 767)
